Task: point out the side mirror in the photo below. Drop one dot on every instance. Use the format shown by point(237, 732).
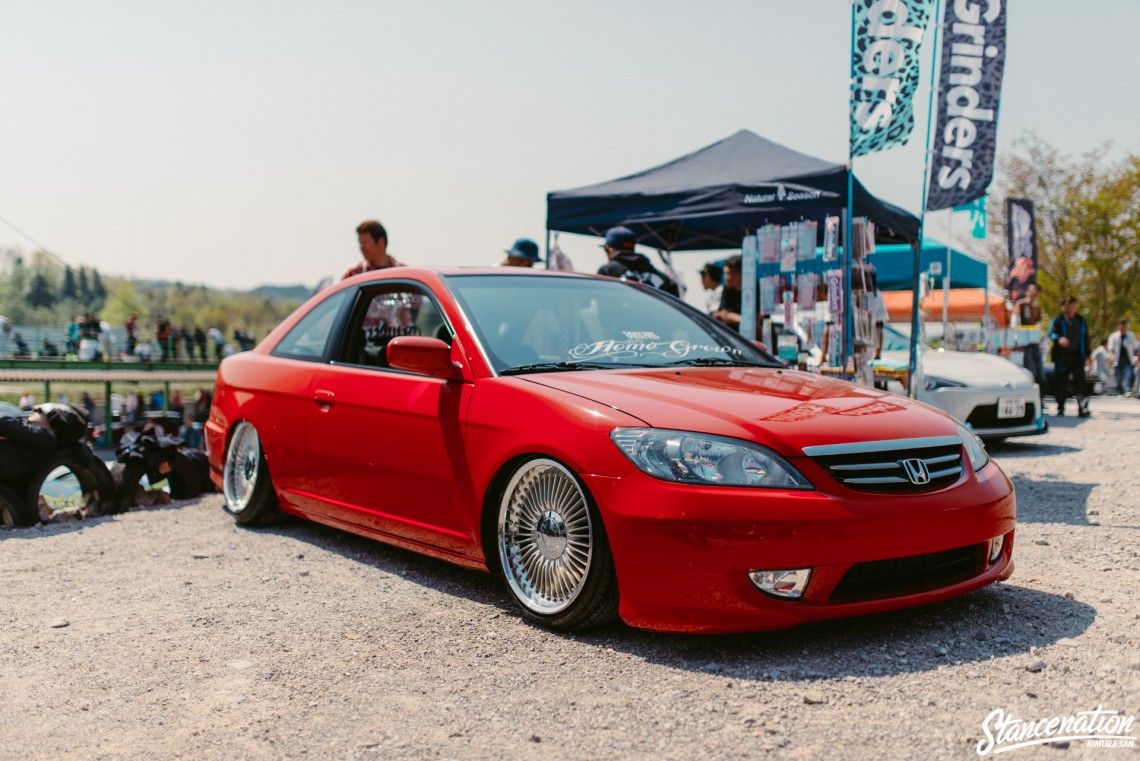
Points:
point(429, 356)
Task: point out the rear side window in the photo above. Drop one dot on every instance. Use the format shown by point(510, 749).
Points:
point(309, 338)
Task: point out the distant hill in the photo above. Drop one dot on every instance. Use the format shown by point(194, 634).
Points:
point(295, 293)
point(282, 292)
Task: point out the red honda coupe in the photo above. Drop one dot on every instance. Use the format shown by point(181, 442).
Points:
point(608, 450)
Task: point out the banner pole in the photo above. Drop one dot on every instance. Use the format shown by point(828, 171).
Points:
point(848, 312)
point(946, 284)
point(914, 371)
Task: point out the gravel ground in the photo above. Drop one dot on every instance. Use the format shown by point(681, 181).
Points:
point(170, 632)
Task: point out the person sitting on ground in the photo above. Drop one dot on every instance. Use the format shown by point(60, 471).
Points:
point(524, 253)
point(627, 264)
point(373, 240)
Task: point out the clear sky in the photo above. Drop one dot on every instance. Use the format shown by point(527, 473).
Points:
point(239, 143)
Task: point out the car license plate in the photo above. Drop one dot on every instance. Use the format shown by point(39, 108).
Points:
point(1010, 406)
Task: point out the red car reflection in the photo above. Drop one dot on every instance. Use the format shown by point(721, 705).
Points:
point(607, 450)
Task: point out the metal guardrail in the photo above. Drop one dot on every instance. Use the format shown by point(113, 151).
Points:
point(48, 371)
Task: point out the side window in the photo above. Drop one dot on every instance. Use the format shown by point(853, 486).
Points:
point(309, 337)
point(384, 314)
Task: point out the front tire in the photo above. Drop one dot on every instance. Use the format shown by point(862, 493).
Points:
point(552, 548)
point(245, 480)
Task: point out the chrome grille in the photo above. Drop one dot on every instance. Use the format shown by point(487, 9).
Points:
point(897, 466)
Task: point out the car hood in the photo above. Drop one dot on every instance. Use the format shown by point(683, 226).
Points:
point(970, 368)
point(782, 409)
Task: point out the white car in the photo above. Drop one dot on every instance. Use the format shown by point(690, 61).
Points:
point(993, 396)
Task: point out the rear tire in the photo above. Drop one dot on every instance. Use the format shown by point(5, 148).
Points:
point(245, 480)
point(552, 548)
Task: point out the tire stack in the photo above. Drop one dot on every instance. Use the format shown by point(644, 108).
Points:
point(20, 501)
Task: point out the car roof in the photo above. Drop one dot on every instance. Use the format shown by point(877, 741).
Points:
point(446, 271)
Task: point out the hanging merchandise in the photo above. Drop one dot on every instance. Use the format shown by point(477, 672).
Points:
point(768, 294)
point(868, 237)
point(789, 305)
point(805, 247)
point(768, 237)
point(831, 239)
point(805, 292)
point(835, 294)
point(858, 238)
point(835, 345)
point(787, 347)
point(788, 243)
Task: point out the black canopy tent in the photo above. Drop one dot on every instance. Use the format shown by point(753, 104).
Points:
point(714, 197)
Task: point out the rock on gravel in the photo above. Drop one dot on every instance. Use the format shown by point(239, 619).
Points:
point(188, 637)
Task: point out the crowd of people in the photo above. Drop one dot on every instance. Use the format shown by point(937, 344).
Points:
point(1115, 359)
point(88, 338)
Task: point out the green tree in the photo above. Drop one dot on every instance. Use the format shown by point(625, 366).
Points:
point(40, 292)
point(84, 288)
point(1088, 227)
point(68, 291)
point(98, 290)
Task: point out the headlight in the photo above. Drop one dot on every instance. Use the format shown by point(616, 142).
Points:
point(699, 458)
point(934, 382)
point(975, 449)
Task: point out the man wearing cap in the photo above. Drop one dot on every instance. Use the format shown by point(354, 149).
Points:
point(373, 247)
point(626, 264)
point(711, 276)
point(524, 253)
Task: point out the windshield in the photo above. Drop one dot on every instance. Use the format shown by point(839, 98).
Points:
point(544, 323)
point(896, 340)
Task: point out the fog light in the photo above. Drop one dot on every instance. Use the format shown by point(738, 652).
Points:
point(788, 584)
point(995, 548)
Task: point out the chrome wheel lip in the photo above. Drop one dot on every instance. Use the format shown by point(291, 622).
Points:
point(242, 467)
point(545, 536)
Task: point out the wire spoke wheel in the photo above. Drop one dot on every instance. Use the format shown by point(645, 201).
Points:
point(242, 468)
point(545, 537)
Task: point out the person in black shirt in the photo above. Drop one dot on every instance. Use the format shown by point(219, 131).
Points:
point(1070, 334)
point(626, 264)
point(729, 312)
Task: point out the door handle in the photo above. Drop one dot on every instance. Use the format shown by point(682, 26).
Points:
point(323, 398)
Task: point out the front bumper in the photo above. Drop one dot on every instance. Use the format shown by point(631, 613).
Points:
point(683, 553)
point(977, 408)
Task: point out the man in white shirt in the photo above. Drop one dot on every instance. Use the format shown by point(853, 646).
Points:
point(1121, 350)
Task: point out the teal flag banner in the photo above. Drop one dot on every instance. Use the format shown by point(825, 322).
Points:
point(885, 65)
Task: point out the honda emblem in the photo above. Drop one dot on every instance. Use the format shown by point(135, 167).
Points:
point(916, 471)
